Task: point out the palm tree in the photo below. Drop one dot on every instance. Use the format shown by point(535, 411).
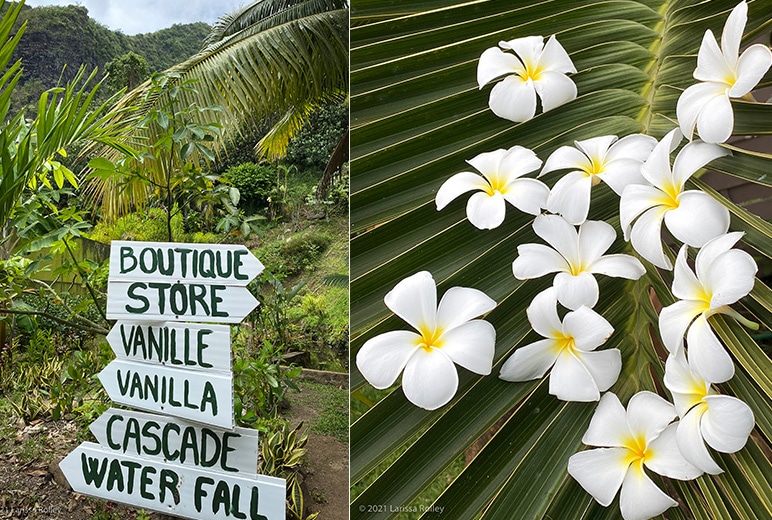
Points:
point(273, 59)
point(499, 449)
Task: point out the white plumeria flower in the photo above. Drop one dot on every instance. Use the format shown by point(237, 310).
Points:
point(722, 421)
point(692, 216)
point(723, 276)
point(578, 373)
point(501, 171)
point(534, 68)
point(446, 334)
point(575, 258)
point(722, 76)
point(629, 440)
point(617, 163)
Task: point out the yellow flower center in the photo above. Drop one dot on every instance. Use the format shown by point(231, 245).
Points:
point(669, 197)
point(496, 183)
point(576, 270)
point(704, 297)
point(595, 167)
point(430, 338)
point(532, 71)
point(637, 452)
point(564, 343)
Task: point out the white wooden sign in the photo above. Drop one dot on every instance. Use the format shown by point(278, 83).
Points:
point(201, 397)
point(161, 301)
point(178, 442)
point(172, 489)
point(184, 345)
point(168, 261)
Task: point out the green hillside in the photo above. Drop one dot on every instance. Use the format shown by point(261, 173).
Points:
point(58, 36)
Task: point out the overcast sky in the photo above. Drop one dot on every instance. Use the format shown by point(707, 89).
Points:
point(144, 16)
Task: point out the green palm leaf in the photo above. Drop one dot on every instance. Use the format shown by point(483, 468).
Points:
point(417, 115)
point(267, 59)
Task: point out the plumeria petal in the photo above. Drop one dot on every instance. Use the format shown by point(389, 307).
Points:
point(527, 195)
point(711, 62)
point(570, 197)
point(588, 328)
point(693, 101)
point(751, 67)
point(414, 299)
point(461, 304)
point(687, 388)
point(596, 147)
point(554, 89)
point(536, 260)
point(430, 379)
point(646, 237)
point(488, 163)
point(571, 381)
point(543, 314)
point(595, 237)
point(692, 157)
point(513, 99)
point(471, 345)
point(716, 120)
point(635, 200)
point(656, 169)
point(727, 423)
point(707, 356)
point(675, 319)
point(712, 249)
point(634, 146)
point(458, 184)
point(697, 219)
point(730, 277)
point(733, 32)
point(691, 444)
point(518, 161)
point(565, 158)
point(382, 358)
point(528, 48)
point(618, 266)
point(495, 63)
point(531, 361)
point(558, 233)
point(604, 366)
point(600, 472)
point(575, 291)
point(666, 459)
point(608, 426)
point(649, 414)
point(640, 498)
point(555, 58)
point(686, 286)
point(621, 173)
point(486, 211)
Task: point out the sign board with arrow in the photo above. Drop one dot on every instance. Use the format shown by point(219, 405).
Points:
point(192, 395)
point(173, 489)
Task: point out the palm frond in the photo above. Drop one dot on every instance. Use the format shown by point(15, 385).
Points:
point(417, 116)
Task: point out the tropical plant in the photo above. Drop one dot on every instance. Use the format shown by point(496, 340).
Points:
point(276, 59)
point(418, 115)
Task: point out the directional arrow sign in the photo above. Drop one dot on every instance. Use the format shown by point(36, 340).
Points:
point(162, 301)
point(178, 442)
point(172, 489)
point(175, 262)
point(184, 345)
point(194, 395)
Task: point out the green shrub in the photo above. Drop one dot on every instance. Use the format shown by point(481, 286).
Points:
point(255, 183)
point(145, 225)
point(302, 251)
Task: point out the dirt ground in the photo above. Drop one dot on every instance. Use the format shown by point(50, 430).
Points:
point(32, 487)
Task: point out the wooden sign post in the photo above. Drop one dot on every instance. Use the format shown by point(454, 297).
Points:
point(191, 461)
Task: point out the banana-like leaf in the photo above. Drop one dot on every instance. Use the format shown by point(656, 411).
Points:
point(417, 115)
